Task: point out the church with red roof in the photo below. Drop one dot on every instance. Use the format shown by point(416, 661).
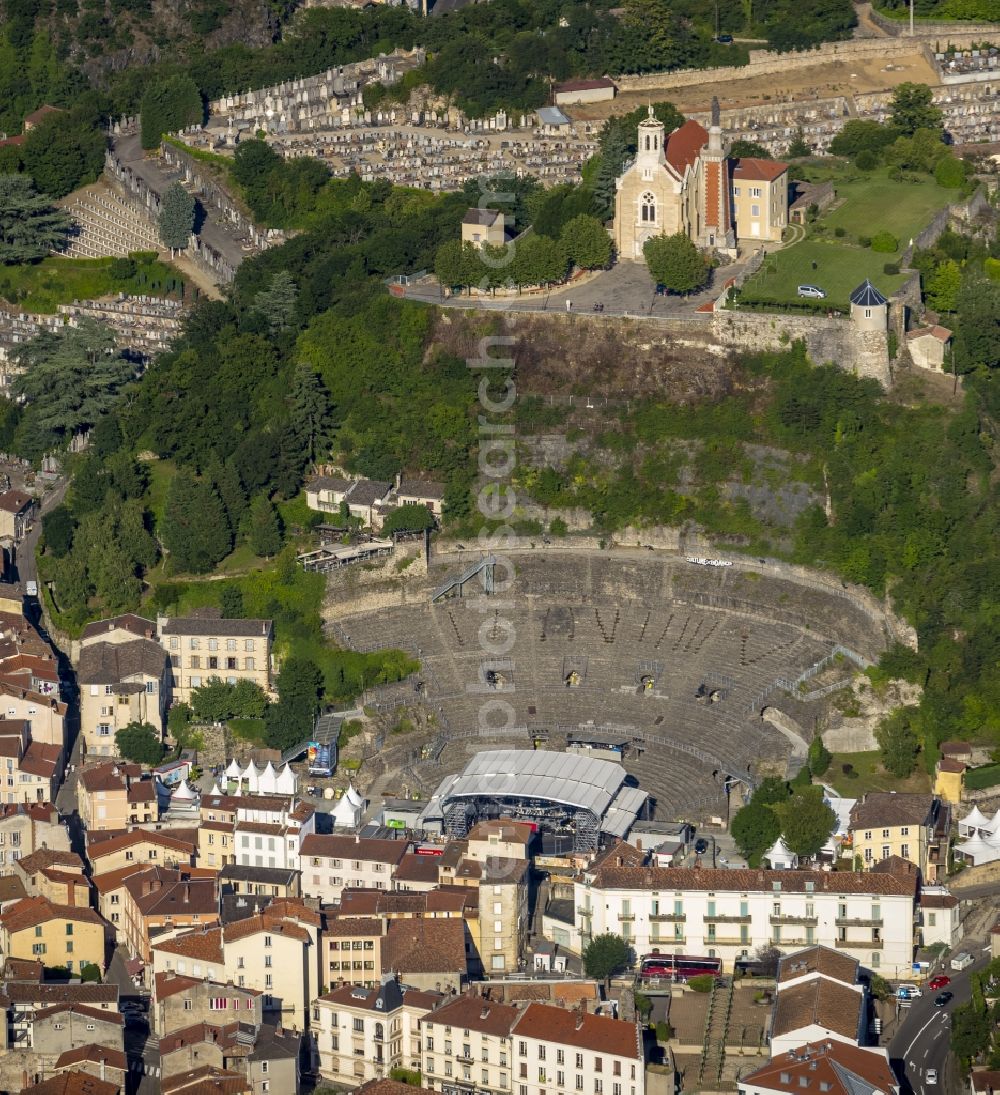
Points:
point(684, 182)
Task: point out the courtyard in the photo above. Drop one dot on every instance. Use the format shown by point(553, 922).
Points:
point(831, 256)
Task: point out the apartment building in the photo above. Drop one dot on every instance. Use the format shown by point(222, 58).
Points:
point(30, 771)
point(141, 902)
point(351, 950)
point(914, 827)
point(120, 683)
point(178, 1001)
point(467, 1046)
point(56, 935)
point(728, 914)
point(22, 1001)
point(56, 875)
point(202, 648)
point(112, 795)
point(25, 828)
point(140, 846)
point(277, 843)
point(360, 1034)
point(331, 864)
point(44, 713)
point(573, 1051)
point(427, 954)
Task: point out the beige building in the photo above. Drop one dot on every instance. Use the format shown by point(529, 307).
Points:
point(56, 935)
point(140, 846)
point(927, 346)
point(121, 683)
point(427, 954)
point(760, 200)
point(351, 950)
point(683, 182)
point(114, 796)
point(55, 875)
point(201, 649)
point(25, 828)
point(361, 1034)
point(467, 1046)
point(179, 1001)
point(67, 1027)
point(331, 863)
point(484, 226)
point(30, 771)
point(601, 90)
point(914, 827)
point(16, 512)
point(44, 714)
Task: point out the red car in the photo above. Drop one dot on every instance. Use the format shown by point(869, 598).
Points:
point(939, 982)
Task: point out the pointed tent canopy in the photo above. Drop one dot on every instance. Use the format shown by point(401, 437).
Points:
point(183, 793)
point(976, 820)
point(353, 797)
point(780, 851)
point(215, 788)
point(978, 851)
point(867, 296)
point(345, 813)
point(269, 771)
point(251, 771)
point(993, 825)
point(287, 782)
point(233, 770)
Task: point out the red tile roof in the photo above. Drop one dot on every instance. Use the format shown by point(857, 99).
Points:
point(424, 946)
point(94, 1054)
point(825, 1066)
point(72, 1083)
point(471, 1012)
point(98, 1014)
point(824, 960)
point(138, 836)
point(746, 879)
point(370, 849)
point(38, 910)
point(684, 145)
point(205, 945)
point(41, 760)
point(828, 1004)
point(580, 1028)
point(753, 169)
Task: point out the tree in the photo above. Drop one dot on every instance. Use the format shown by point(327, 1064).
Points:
point(819, 756)
point(63, 152)
point(806, 821)
point(880, 987)
point(141, 743)
point(72, 377)
point(604, 956)
point(538, 260)
point(978, 340)
point(755, 829)
point(676, 263)
point(898, 743)
point(232, 605)
point(949, 172)
point(743, 149)
point(276, 303)
point(768, 956)
point(799, 147)
point(300, 680)
point(194, 528)
point(264, 534)
point(30, 226)
point(913, 108)
point(310, 407)
point(586, 242)
point(971, 1031)
point(859, 135)
point(412, 517)
point(168, 105)
point(943, 286)
point(113, 575)
point(217, 701)
point(58, 526)
point(176, 220)
point(452, 267)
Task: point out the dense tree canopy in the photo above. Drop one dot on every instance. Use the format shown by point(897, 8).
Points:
point(141, 743)
point(30, 226)
point(604, 956)
point(676, 263)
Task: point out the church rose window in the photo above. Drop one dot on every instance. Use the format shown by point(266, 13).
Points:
point(647, 209)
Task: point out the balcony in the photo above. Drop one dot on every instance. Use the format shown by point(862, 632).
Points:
point(626, 916)
point(855, 922)
point(675, 917)
point(465, 1059)
point(798, 940)
point(584, 910)
point(728, 919)
point(806, 921)
point(858, 944)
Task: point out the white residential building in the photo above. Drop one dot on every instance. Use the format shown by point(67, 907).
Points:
point(271, 834)
point(360, 1034)
point(830, 1067)
point(728, 914)
point(467, 1046)
point(332, 863)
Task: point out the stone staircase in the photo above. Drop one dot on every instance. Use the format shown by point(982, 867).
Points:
point(107, 225)
point(713, 1054)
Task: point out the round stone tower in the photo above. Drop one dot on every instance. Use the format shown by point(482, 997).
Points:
point(869, 309)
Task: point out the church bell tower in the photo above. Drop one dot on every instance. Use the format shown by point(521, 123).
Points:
point(650, 154)
point(717, 231)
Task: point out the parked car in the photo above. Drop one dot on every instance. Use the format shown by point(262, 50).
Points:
point(907, 990)
point(943, 999)
point(961, 960)
point(725, 39)
point(31, 588)
point(813, 291)
point(931, 1076)
point(939, 982)
point(701, 846)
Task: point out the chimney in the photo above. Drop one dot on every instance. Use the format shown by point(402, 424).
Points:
point(399, 479)
point(187, 893)
point(103, 1070)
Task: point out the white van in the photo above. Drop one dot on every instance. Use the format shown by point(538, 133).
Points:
point(961, 960)
point(908, 991)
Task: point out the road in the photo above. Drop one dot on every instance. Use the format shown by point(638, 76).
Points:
point(141, 1044)
point(923, 1041)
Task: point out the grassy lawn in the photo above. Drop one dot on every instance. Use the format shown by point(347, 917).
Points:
point(866, 204)
point(869, 776)
point(43, 286)
point(161, 472)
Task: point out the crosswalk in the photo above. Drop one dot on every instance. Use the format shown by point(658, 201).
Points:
point(140, 1068)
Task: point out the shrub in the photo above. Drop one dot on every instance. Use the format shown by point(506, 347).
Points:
point(840, 231)
point(90, 972)
point(704, 982)
point(885, 243)
point(891, 268)
point(663, 1031)
point(896, 173)
point(866, 160)
point(558, 527)
point(405, 1076)
point(847, 769)
point(865, 241)
point(949, 172)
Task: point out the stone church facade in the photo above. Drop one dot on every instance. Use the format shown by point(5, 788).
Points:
point(685, 182)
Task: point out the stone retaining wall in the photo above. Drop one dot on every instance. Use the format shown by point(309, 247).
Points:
point(900, 28)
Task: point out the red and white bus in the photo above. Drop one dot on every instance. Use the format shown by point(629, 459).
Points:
point(677, 967)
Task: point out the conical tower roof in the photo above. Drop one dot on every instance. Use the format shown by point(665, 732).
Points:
point(867, 296)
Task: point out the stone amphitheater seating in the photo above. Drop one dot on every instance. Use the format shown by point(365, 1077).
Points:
point(107, 225)
point(611, 624)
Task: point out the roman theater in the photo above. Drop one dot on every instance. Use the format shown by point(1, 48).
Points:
point(676, 666)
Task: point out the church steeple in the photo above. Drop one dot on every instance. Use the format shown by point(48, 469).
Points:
point(715, 129)
point(651, 140)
